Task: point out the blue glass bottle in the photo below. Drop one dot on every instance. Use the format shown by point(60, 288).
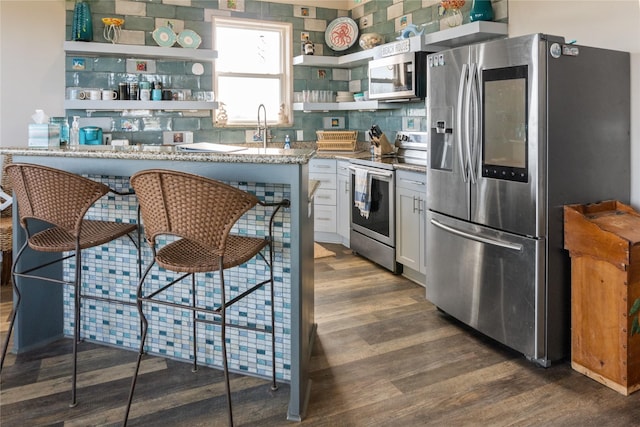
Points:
point(481, 10)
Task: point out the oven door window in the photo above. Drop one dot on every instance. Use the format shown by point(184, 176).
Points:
point(379, 216)
point(504, 125)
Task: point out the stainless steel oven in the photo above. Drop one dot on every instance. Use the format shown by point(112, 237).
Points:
point(374, 236)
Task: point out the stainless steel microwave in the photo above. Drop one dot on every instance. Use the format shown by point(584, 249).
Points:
point(398, 77)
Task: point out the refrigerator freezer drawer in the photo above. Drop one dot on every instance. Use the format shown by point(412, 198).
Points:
point(489, 280)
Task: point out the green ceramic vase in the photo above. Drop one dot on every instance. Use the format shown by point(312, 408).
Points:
point(481, 10)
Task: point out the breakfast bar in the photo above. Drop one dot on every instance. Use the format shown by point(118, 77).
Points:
point(271, 174)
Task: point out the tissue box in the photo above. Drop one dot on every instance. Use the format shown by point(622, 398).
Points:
point(44, 135)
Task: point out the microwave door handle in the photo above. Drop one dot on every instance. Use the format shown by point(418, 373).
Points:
point(476, 237)
point(474, 142)
point(459, 122)
point(469, 100)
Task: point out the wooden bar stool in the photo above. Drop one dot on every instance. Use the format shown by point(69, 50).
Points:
point(60, 200)
point(200, 213)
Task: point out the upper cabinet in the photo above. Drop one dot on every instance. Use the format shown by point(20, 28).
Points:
point(93, 49)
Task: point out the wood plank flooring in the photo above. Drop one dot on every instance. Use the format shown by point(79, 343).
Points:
point(384, 356)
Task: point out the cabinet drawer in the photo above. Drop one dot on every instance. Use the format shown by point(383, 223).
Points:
point(325, 197)
point(322, 166)
point(326, 180)
point(412, 181)
point(342, 168)
point(325, 218)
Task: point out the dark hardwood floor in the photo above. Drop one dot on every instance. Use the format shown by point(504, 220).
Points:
point(383, 356)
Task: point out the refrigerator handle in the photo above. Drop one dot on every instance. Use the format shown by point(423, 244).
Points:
point(459, 125)
point(470, 126)
point(477, 238)
point(474, 78)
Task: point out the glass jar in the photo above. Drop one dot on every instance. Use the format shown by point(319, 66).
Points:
point(453, 17)
point(63, 124)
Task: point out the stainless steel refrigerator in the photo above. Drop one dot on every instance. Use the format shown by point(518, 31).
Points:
point(518, 128)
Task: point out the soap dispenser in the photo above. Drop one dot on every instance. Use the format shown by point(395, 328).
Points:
point(287, 142)
point(74, 133)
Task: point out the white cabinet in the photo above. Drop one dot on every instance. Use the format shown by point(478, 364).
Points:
point(411, 194)
point(331, 206)
point(344, 201)
point(94, 49)
point(324, 171)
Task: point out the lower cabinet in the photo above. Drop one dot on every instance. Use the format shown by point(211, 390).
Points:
point(331, 201)
point(343, 211)
point(411, 194)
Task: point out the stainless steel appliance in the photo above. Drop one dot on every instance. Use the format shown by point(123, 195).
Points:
point(399, 77)
point(518, 128)
point(374, 237)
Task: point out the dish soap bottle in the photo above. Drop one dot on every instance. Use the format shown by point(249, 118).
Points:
point(287, 143)
point(74, 133)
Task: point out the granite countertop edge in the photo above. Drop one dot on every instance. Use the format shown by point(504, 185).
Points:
point(295, 156)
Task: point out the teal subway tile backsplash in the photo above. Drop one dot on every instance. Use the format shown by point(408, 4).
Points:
point(143, 16)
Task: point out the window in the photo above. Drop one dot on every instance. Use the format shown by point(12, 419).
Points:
point(253, 68)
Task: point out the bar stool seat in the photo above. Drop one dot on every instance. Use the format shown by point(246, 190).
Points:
point(59, 200)
point(199, 214)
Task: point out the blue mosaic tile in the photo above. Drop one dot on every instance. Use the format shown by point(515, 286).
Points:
point(112, 271)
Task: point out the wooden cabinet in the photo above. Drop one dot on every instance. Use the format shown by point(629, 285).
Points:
point(603, 240)
point(411, 194)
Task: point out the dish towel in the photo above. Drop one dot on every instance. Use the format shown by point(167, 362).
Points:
point(362, 198)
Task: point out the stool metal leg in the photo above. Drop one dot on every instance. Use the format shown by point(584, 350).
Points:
point(14, 312)
point(274, 386)
point(144, 325)
point(76, 327)
point(223, 334)
point(193, 323)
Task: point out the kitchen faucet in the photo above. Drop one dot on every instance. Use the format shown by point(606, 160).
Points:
point(263, 131)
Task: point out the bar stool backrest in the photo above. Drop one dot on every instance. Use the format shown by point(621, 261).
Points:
point(52, 195)
point(189, 206)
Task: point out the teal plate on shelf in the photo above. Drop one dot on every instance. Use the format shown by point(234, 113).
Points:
point(189, 39)
point(164, 36)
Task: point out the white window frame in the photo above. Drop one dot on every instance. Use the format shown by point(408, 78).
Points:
point(275, 118)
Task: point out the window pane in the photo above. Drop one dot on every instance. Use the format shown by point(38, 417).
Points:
point(246, 50)
point(243, 95)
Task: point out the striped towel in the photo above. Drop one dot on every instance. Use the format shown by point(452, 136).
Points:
point(362, 198)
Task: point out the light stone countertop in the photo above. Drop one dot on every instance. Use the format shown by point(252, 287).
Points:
point(170, 153)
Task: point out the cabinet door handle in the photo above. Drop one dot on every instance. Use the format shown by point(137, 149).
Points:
point(409, 181)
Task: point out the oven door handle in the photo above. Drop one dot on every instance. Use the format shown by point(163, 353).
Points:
point(476, 237)
point(375, 173)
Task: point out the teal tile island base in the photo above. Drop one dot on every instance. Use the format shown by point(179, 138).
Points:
point(112, 270)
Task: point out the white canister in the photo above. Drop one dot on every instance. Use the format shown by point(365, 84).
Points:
point(145, 94)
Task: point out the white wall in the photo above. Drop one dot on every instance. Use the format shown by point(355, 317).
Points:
point(610, 24)
point(31, 65)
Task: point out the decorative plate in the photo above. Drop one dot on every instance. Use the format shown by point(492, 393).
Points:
point(189, 39)
point(164, 36)
point(341, 33)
